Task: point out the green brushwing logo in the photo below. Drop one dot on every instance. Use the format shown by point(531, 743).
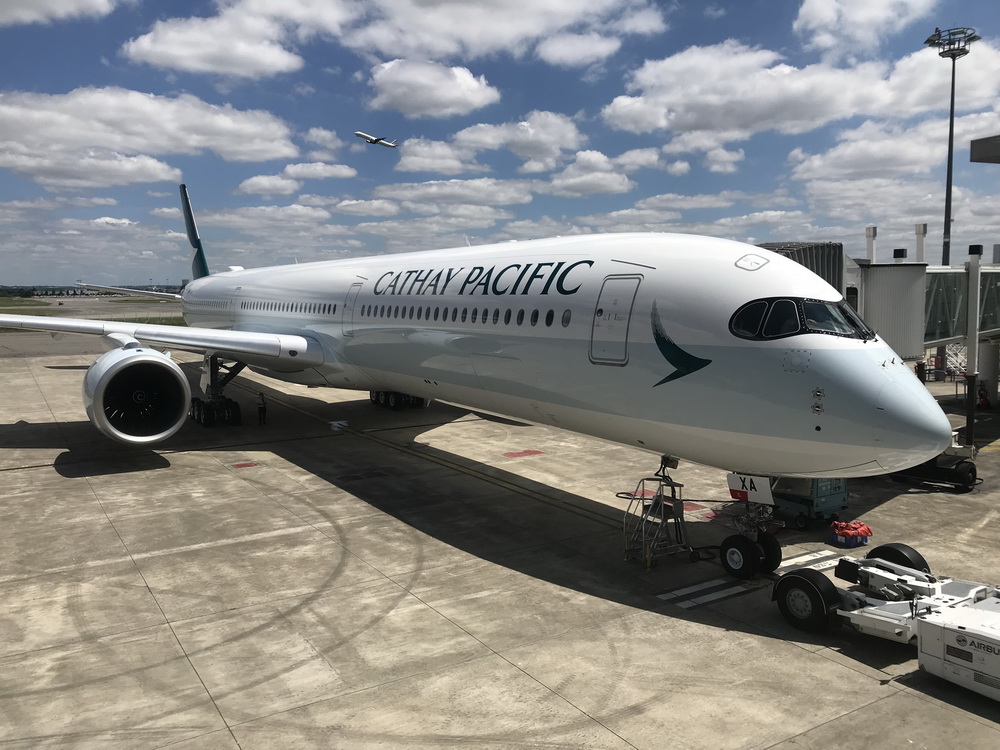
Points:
point(683, 362)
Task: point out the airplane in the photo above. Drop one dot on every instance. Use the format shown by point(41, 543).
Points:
point(699, 348)
point(373, 139)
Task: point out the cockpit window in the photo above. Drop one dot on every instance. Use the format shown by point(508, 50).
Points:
point(778, 317)
point(746, 323)
point(782, 319)
point(825, 317)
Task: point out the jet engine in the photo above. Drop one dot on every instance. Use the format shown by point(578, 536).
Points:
point(134, 394)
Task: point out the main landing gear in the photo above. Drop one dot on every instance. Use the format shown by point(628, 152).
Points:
point(396, 401)
point(216, 408)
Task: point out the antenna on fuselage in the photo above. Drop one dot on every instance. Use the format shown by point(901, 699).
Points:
point(199, 264)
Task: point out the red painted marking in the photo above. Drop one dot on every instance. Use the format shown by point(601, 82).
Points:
point(740, 495)
point(522, 454)
point(693, 506)
point(246, 465)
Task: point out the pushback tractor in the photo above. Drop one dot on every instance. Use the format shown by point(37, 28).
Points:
point(955, 625)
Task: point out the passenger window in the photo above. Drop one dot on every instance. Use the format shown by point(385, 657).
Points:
point(534, 317)
point(782, 320)
point(549, 317)
point(566, 318)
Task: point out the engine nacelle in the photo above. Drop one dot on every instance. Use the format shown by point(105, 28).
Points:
point(136, 395)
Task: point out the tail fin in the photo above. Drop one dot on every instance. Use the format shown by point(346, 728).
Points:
point(199, 265)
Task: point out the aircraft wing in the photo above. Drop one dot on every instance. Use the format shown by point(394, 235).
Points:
point(131, 292)
point(281, 351)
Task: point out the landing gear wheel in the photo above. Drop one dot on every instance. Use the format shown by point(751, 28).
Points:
point(770, 551)
point(383, 397)
point(394, 400)
point(900, 554)
point(807, 600)
point(373, 397)
point(965, 475)
point(739, 557)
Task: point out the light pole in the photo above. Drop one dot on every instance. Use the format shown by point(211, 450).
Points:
point(953, 43)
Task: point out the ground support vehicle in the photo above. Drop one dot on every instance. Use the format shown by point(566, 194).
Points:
point(955, 625)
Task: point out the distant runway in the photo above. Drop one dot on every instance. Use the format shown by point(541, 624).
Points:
point(353, 577)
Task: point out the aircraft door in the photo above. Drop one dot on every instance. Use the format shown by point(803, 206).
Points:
point(347, 315)
point(609, 336)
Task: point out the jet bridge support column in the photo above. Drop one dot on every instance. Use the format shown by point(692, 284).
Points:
point(972, 344)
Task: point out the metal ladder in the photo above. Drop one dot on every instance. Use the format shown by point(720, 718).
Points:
point(654, 521)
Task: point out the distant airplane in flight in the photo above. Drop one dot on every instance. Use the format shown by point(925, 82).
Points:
point(373, 139)
point(704, 349)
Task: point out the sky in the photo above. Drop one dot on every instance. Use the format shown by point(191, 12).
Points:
point(753, 120)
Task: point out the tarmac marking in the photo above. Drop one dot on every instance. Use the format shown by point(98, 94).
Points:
point(720, 589)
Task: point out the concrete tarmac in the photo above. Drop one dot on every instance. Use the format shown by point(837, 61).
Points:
point(351, 577)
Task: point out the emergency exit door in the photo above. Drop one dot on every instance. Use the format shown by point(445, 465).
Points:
point(609, 335)
point(347, 312)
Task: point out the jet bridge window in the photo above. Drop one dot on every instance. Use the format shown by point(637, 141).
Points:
point(781, 317)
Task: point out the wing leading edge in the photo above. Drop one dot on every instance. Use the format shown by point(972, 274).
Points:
point(279, 350)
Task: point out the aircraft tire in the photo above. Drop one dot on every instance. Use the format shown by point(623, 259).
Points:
point(383, 398)
point(807, 599)
point(373, 397)
point(235, 418)
point(900, 554)
point(739, 557)
point(395, 401)
point(770, 551)
point(965, 475)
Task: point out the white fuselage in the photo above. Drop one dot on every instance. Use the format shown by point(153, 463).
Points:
point(626, 337)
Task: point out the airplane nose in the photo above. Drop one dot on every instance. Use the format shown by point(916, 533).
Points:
point(911, 426)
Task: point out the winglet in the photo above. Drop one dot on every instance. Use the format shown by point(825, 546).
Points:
point(199, 265)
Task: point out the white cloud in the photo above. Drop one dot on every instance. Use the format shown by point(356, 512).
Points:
point(678, 168)
point(638, 158)
point(592, 173)
point(57, 170)
point(318, 171)
point(483, 191)
point(577, 50)
point(261, 36)
point(13, 12)
point(256, 219)
point(720, 161)
point(325, 138)
point(412, 28)
point(252, 47)
point(428, 89)
point(840, 27)
point(112, 222)
point(881, 149)
point(108, 136)
point(539, 139)
point(269, 184)
point(422, 155)
point(706, 97)
point(367, 208)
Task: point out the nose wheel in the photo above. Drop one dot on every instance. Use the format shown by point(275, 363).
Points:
point(743, 557)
